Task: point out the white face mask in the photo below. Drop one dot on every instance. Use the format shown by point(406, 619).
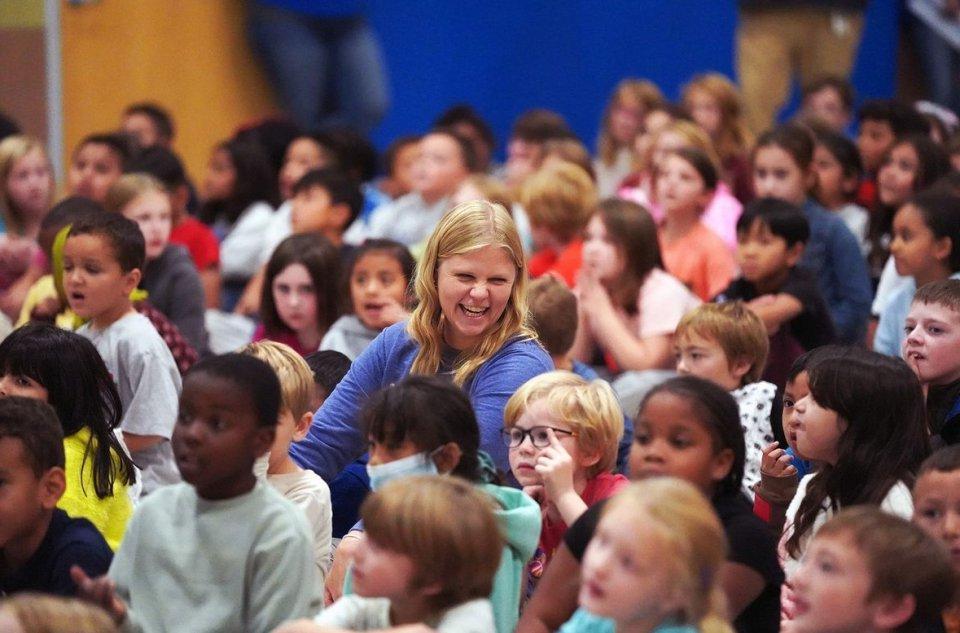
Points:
point(419, 464)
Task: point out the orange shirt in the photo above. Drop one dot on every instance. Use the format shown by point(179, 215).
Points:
point(566, 263)
point(700, 260)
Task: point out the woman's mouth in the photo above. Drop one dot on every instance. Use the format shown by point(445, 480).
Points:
point(473, 313)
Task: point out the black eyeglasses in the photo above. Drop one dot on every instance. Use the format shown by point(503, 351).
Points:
point(514, 437)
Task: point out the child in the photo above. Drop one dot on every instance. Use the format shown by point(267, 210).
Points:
point(97, 163)
point(727, 344)
point(654, 564)
point(471, 125)
point(622, 121)
point(149, 123)
point(574, 428)
point(169, 276)
point(828, 101)
point(926, 248)
point(64, 369)
point(429, 552)
point(36, 613)
point(628, 306)
point(303, 487)
point(425, 425)
point(530, 132)
point(399, 160)
point(686, 182)
point(932, 349)
point(772, 235)
point(102, 259)
point(380, 278)
point(868, 571)
point(300, 299)
point(714, 104)
point(687, 428)
point(782, 162)
point(38, 541)
point(881, 123)
point(864, 423)
point(228, 551)
point(558, 200)
point(240, 193)
point(837, 164)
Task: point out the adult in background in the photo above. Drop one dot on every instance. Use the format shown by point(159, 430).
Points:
point(470, 324)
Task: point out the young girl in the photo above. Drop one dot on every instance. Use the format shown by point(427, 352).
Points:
point(64, 369)
point(622, 121)
point(686, 182)
point(300, 301)
point(911, 165)
point(654, 564)
point(837, 164)
point(925, 248)
point(425, 425)
point(687, 428)
point(26, 188)
point(629, 307)
point(169, 275)
point(239, 196)
point(714, 104)
point(379, 278)
point(782, 169)
point(864, 423)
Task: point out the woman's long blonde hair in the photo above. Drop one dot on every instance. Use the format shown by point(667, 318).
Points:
point(12, 149)
point(466, 228)
point(684, 522)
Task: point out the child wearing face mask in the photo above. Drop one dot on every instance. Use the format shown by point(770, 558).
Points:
point(425, 425)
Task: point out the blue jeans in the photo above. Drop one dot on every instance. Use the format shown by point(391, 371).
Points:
point(327, 71)
point(940, 63)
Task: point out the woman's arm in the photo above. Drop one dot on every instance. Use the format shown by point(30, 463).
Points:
point(555, 598)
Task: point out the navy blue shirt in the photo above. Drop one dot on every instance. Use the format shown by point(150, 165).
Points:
point(68, 542)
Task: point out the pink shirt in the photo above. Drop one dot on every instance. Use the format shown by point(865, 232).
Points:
point(720, 216)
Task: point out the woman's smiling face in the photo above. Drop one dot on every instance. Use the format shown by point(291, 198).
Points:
point(474, 289)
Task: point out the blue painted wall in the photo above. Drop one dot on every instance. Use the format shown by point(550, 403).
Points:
point(506, 56)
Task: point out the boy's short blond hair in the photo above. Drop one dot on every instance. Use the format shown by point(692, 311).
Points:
point(736, 329)
point(559, 197)
point(590, 408)
point(553, 312)
point(296, 379)
point(447, 526)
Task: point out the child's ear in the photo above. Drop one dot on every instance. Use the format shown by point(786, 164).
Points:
point(301, 426)
point(741, 367)
point(447, 457)
point(131, 280)
point(52, 486)
point(942, 249)
point(722, 463)
point(891, 612)
point(589, 459)
point(263, 439)
point(794, 253)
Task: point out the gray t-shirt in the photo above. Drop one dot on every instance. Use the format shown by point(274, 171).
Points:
point(364, 614)
point(349, 336)
point(146, 376)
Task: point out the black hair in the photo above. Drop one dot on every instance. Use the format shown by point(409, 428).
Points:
point(463, 113)
point(322, 261)
point(809, 358)
point(254, 182)
point(271, 137)
point(249, 375)
point(123, 235)
point(843, 150)
point(428, 411)
point(902, 119)
point(782, 218)
point(719, 414)
point(158, 115)
point(884, 437)
point(941, 213)
point(162, 164)
point(842, 85)
point(390, 155)
point(67, 211)
point(354, 153)
point(80, 390)
point(945, 460)
point(341, 188)
point(396, 250)
point(468, 155)
point(118, 143)
point(34, 424)
point(8, 127)
point(328, 367)
point(540, 125)
point(793, 138)
point(699, 160)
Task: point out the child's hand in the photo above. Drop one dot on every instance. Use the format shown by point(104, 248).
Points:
point(555, 467)
point(776, 462)
point(100, 591)
point(333, 586)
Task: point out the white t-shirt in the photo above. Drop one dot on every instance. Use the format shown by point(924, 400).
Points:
point(277, 230)
point(306, 489)
point(240, 249)
point(365, 614)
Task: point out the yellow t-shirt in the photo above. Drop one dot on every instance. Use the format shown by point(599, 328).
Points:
point(42, 289)
point(111, 514)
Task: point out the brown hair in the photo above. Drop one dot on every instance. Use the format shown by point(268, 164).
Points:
point(945, 292)
point(570, 150)
point(560, 198)
point(296, 380)
point(632, 229)
point(128, 188)
point(738, 331)
point(645, 94)
point(733, 138)
point(553, 312)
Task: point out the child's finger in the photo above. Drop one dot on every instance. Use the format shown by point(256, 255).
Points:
point(771, 447)
point(555, 442)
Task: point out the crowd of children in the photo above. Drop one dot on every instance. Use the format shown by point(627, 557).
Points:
point(706, 379)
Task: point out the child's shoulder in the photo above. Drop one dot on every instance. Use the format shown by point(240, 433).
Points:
point(301, 486)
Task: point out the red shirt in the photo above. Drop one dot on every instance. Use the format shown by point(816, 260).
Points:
point(566, 263)
point(600, 487)
point(199, 239)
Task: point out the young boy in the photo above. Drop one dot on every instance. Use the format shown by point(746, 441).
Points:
point(881, 123)
point(869, 572)
point(221, 551)
point(771, 235)
point(97, 163)
point(932, 349)
point(39, 543)
point(828, 101)
point(102, 260)
point(727, 344)
point(303, 487)
point(562, 434)
point(559, 200)
point(149, 124)
point(530, 132)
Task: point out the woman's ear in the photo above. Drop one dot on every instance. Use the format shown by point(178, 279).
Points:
point(447, 457)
